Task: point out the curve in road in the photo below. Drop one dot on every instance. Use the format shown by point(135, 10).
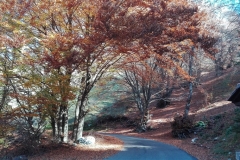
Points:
point(144, 149)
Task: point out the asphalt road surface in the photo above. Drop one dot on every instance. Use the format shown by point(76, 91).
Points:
point(143, 149)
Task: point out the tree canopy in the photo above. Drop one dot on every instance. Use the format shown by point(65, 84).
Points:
point(53, 52)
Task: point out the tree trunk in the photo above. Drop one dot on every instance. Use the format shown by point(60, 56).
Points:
point(143, 121)
point(78, 125)
point(62, 125)
point(198, 80)
point(5, 87)
point(218, 67)
point(79, 129)
point(54, 126)
point(65, 126)
point(187, 107)
point(80, 112)
point(4, 97)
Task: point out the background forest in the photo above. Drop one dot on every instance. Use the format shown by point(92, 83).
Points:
point(66, 66)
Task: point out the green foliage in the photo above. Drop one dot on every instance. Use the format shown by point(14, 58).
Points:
point(182, 127)
point(229, 131)
point(48, 126)
point(236, 125)
point(200, 124)
point(221, 148)
point(220, 131)
point(2, 141)
point(230, 142)
point(105, 121)
point(218, 117)
point(237, 115)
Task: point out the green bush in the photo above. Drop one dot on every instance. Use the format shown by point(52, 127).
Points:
point(182, 127)
point(236, 125)
point(217, 117)
point(2, 140)
point(229, 130)
point(201, 124)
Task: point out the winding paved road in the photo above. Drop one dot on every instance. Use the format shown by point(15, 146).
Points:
point(144, 149)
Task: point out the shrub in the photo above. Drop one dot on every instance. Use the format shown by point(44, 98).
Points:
point(163, 103)
point(236, 125)
point(28, 134)
point(200, 124)
point(110, 118)
point(105, 121)
point(182, 127)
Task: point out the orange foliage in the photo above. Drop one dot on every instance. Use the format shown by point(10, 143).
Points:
point(166, 30)
point(64, 36)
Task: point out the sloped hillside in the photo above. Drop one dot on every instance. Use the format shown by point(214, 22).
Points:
point(209, 105)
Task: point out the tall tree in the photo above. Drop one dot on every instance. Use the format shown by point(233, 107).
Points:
point(70, 44)
point(226, 12)
point(10, 45)
point(165, 29)
point(65, 41)
point(143, 79)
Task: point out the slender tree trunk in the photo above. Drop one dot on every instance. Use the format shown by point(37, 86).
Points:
point(62, 125)
point(65, 126)
point(59, 126)
point(187, 107)
point(79, 132)
point(5, 90)
point(198, 80)
point(54, 126)
point(80, 112)
point(143, 121)
point(4, 97)
point(78, 124)
point(198, 64)
point(218, 67)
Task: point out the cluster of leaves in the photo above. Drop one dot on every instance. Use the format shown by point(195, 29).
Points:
point(201, 124)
